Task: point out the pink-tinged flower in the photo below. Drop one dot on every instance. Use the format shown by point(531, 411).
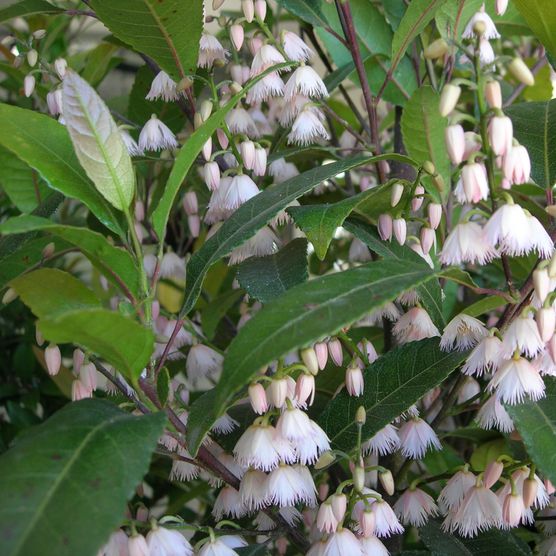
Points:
point(156, 136)
point(228, 503)
point(540, 241)
point(384, 442)
point(53, 359)
point(307, 82)
point(190, 203)
point(544, 363)
point(541, 283)
point(271, 85)
point(546, 322)
point(326, 520)
point(479, 511)
point(164, 87)
point(194, 224)
point(367, 349)
point(516, 380)
point(386, 522)
point(295, 48)
point(472, 144)
point(237, 35)
point(492, 473)
point(354, 380)
point(259, 166)
point(321, 351)
point(522, 335)
point(305, 389)
point(500, 132)
point(367, 522)
point(117, 545)
point(130, 144)
point(166, 542)
point(257, 397)
point(434, 212)
point(513, 509)
point(183, 470)
point(416, 437)
point(414, 325)
point(372, 546)
point(289, 109)
point(481, 17)
point(137, 546)
point(455, 143)
point(240, 122)
point(264, 242)
point(385, 227)
point(281, 170)
point(466, 243)
point(318, 548)
point(517, 165)
point(449, 98)
point(399, 227)
point(277, 392)
point(211, 174)
point(253, 489)
point(260, 9)
point(462, 332)
point(172, 266)
point(493, 94)
point(308, 127)
point(203, 361)
point(216, 548)
point(54, 101)
point(486, 52)
point(247, 150)
point(492, 415)
point(224, 425)
point(88, 376)
point(233, 541)
point(341, 543)
point(452, 495)
point(80, 391)
point(266, 57)
point(210, 50)
point(486, 356)
point(501, 6)
point(417, 200)
point(291, 484)
point(415, 506)
point(474, 182)
point(261, 447)
point(469, 390)
point(240, 189)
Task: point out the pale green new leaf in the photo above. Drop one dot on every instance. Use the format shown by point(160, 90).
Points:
point(97, 142)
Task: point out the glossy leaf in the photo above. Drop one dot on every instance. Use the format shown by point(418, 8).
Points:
point(535, 128)
point(393, 383)
point(301, 316)
point(423, 133)
point(97, 142)
point(18, 8)
point(307, 10)
point(536, 422)
point(541, 17)
point(252, 216)
point(45, 145)
point(113, 262)
point(168, 31)
point(429, 293)
point(65, 483)
point(416, 17)
point(266, 278)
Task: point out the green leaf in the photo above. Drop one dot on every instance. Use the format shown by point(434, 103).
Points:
point(265, 278)
point(423, 133)
point(45, 145)
point(485, 305)
point(440, 542)
point(459, 276)
point(21, 183)
point(99, 62)
point(535, 128)
point(65, 483)
point(541, 17)
point(429, 293)
point(252, 216)
point(168, 31)
point(536, 422)
point(394, 382)
point(307, 10)
point(97, 142)
point(301, 316)
point(113, 262)
point(18, 8)
point(416, 17)
point(191, 149)
point(214, 312)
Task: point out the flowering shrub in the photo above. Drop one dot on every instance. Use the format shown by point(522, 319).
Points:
point(277, 278)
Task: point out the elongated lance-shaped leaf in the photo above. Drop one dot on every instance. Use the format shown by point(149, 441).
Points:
point(97, 142)
point(19, 8)
point(65, 483)
point(393, 383)
point(541, 17)
point(253, 215)
point(303, 315)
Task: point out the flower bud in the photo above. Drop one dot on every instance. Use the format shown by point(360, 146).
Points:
point(321, 351)
point(39, 34)
point(190, 204)
point(247, 150)
point(207, 149)
point(339, 505)
point(455, 143)
point(385, 227)
point(61, 66)
point(259, 167)
point(387, 481)
point(530, 488)
point(237, 36)
point(396, 194)
point(9, 296)
point(399, 226)
point(39, 338)
point(354, 381)
point(257, 397)
point(248, 10)
point(305, 389)
point(358, 477)
point(211, 174)
point(546, 322)
point(184, 84)
point(217, 4)
point(78, 358)
point(427, 239)
point(501, 7)
point(197, 120)
point(500, 134)
point(278, 391)
point(309, 358)
point(449, 98)
point(436, 49)
point(205, 110)
point(326, 520)
point(88, 376)
point(53, 359)
point(29, 85)
point(493, 472)
point(235, 88)
point(194, 224)
point(137, 546)
point(260, 9)
point(417, 200)
point(434, 211)
point(360, 415)
point(32, 57)
point(521, 72)
point(325, 460)
point(551, 347)
point(493, 94)
point(335, 351)
point(48, 250)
